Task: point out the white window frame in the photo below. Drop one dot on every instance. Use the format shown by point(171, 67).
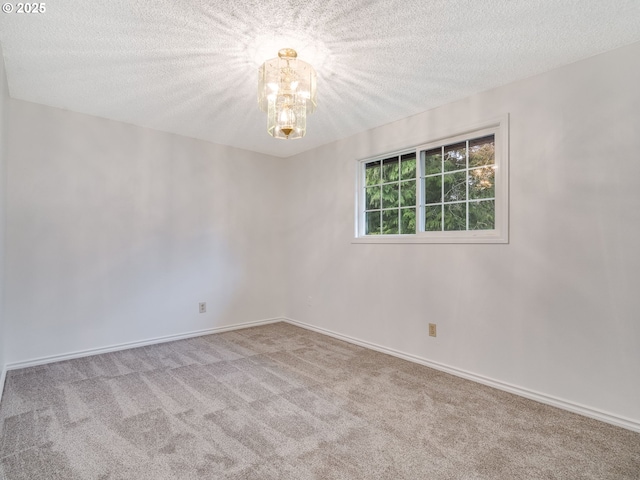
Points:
point(499, 127)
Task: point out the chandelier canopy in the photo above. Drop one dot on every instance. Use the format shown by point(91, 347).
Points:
point(287, 92)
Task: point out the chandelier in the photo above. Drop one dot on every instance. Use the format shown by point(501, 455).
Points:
point(287, 92)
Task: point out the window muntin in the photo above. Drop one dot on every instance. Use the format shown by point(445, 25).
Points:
point(460, 196)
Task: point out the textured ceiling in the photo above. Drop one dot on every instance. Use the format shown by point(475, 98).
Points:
point(190, 67)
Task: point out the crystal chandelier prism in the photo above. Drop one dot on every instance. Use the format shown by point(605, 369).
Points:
point(287, 93)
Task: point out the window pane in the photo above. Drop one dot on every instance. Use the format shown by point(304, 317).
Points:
point(482, 215)
point(390, 222)
point(455, 216)
point(408, 166)
point(390, 170)
point(433, 189)
point(408, 193)
point(372, 173)
point(372, 223)
point(408, 220)
point(390, 196)
point(482, 151)
point(432, 161)
point(482, 183)
point(433, 218)
point(455, 157)
point(372, 197)
point(455, 186)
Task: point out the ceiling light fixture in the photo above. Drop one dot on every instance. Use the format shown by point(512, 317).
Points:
point(287, 92)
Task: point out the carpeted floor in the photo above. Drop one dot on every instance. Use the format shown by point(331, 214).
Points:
point(279, 402)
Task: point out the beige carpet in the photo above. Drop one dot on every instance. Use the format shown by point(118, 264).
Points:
point(280, 402)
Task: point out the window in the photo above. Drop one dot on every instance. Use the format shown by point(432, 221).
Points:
point(453, 190)
point(390, 195)
point(459, 186)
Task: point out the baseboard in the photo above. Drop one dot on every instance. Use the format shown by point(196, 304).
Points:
point(507, 387)
point(3, 376)
point(124, 346)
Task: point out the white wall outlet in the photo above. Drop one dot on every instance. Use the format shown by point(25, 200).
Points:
point(203, 307)
point(309, 301)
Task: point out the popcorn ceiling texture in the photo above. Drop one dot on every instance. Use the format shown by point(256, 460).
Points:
point(190, 67)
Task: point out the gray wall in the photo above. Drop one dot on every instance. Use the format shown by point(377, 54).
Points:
point(556, 310)
point(115, 233)
point(4, 98)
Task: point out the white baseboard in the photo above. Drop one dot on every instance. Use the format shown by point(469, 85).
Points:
point(507, 387)
point(3, 376)
point(142, 343)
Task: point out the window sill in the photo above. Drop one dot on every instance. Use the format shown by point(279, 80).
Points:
point(479, 237)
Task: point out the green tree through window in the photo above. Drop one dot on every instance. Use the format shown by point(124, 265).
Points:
point(458, 185)
point(390, 195)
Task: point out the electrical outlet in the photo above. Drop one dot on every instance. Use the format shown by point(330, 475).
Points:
point(432, 329)
point(309, 301)
point(203, 307)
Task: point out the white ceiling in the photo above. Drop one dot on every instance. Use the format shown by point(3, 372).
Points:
point(190, 66)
